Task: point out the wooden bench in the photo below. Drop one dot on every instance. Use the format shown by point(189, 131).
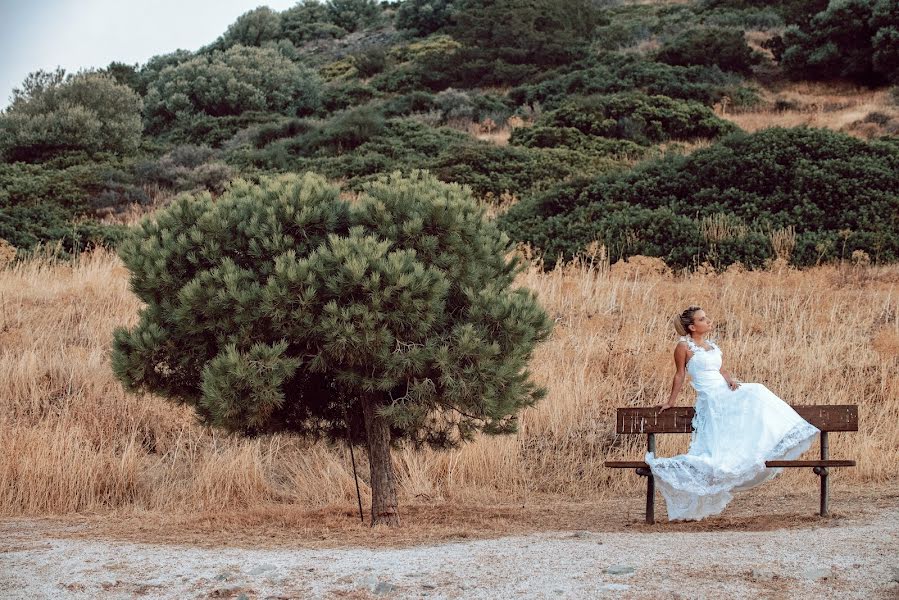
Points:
point(679, 419)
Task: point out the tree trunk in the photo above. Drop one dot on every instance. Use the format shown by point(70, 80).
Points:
point(383, 480)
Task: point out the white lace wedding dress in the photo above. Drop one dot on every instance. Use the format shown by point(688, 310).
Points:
point(734, 433)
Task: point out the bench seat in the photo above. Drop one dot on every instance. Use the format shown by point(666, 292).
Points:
point(679, 419)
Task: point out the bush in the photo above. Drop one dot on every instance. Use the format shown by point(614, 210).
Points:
point(542, 136)
point(627, 73)
point(54, 114)
point(839, 193)
point(792, 11)
point(406, 104)
point(229, 84)
point(345, 94)
point(856, 39)
point(726, 48)
point(423, 17)
point(309, 20)
point(253, 28)
point(500, 50)
point(186, 168)
point(637, 117)
point(352, 15)
point(30, 225)
point(493, 170)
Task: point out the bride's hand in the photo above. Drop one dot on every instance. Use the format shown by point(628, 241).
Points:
point(733, 384)
point(664, 407)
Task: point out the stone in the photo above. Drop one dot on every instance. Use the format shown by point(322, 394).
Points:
point(620, 570)
point(383, 587)
point(616, 587)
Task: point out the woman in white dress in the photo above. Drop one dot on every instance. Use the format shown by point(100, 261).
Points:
point(737, 427)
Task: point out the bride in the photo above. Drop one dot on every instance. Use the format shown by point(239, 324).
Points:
point(737, 427)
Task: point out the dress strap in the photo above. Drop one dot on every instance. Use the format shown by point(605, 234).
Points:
point(694, 347)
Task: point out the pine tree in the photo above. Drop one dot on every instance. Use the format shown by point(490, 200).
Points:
point(281, 307)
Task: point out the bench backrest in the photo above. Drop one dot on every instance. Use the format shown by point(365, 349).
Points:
point(678, 419)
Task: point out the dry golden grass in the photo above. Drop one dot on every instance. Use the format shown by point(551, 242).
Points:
point(841, 107)
point(72, 440)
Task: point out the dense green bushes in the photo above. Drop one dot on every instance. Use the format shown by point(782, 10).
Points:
point(542, 136)
point(624, 73)
point(837, 192)
point(856, 39)
point(229, 84)
point(380, 145)
point(637, 117)
point(54, 114)
point(724, 47)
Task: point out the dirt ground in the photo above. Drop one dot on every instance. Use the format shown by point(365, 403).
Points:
point(763, 546)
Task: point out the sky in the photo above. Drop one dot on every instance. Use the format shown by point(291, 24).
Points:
point(76, 34)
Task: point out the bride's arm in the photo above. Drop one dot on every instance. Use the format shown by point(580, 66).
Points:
point(731, 382)
point(680, 361)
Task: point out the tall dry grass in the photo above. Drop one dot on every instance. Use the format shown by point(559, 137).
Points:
point(860, 112)
point(72, 440)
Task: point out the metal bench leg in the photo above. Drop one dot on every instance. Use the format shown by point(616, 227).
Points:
point(822, 473)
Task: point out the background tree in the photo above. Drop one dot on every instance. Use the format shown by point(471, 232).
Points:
point(253, 28)
point(424, 17)
point(281, 307)
point(309, 20)
point(52, 114)
point(229, 83)
point(353, 14)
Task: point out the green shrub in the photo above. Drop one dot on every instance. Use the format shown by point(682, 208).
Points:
point(637, 117)
point(309, 20)
point(491, 169)
point(186, 168)
point(26, 226)
point(54, 114)
point(792, 11)
point(423, 17)
point(341, 95)
point(726, 48)
point(501, 50)
point(615, 73)
point(856, 39)
point(406, 104)
point(229, 84)
point(543, 136)
point(828, 186)
point(352, 15)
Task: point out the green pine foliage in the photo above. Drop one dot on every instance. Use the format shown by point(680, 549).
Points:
point(280, 305)
point(837, 192)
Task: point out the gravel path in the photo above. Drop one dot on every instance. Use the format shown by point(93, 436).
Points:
point(848, 558)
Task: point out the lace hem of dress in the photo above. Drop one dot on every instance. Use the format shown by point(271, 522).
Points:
point(695, 488)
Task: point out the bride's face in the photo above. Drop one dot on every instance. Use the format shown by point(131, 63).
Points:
point(701, 323)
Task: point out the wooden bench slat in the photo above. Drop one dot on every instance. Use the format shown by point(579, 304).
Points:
point(679, 419)
point(639, 464)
